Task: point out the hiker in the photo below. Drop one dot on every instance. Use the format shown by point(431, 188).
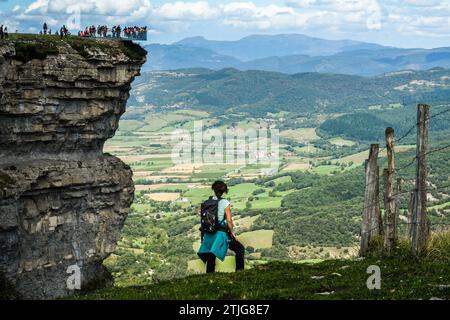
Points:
point(5, 32)
point(45, 27)
point(218, 230)
point(2, 35)
point(61, 32)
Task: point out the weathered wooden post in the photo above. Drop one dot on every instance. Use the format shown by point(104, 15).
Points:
point(420, 230)
point(371, 222)
point(390, 199)
point(410, 215)
point(398, 203)
point(378, 220)
point(385, 202)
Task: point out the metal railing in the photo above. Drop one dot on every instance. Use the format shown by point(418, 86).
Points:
point(135, 35)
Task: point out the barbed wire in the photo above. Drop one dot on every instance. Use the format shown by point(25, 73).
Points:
point(410, 130)
point(426, 153)
point(438, 114)
point(402, 193)
point(438, 149)
point(407, 224)
point(413, 161)
point(406, 135)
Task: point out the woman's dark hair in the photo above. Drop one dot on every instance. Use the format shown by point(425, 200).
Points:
point(220, 188)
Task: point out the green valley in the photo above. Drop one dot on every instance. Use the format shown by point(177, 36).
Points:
point(309, 210)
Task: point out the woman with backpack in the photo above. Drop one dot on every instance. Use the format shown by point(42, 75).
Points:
point(218, 230)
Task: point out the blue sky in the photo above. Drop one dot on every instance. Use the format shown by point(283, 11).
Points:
point(402, 23)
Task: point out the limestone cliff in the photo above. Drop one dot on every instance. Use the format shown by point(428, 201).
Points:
point(62, 201)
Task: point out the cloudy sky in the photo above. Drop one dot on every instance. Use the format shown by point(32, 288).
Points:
point(401, 23)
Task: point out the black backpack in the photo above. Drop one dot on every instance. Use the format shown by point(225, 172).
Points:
point(210, 216)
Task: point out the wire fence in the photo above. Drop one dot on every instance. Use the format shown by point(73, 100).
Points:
point(380, 202)
point(404, 136)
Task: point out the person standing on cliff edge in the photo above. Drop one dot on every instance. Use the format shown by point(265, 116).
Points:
point(1, 32)
point(218, 230)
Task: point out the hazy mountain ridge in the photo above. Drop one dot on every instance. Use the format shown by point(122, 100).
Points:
point(170, 57)
point(263, 46)
point(294, 54)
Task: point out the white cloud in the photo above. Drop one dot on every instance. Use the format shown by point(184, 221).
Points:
point(249, 15)
point(419, 3)
point(344, 17)
point(95, 7)
point(39, 5)
point(315, 14)
point(179, 10)
point(334, 5)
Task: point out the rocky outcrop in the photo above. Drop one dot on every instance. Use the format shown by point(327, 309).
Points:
point(63, 202)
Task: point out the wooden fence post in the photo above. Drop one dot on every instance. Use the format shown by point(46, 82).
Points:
point(385, 202)
point(398, 203)
point(378, 219)
point(410, 215)
point(390, 209)
point(420, 231)
point(371, 216)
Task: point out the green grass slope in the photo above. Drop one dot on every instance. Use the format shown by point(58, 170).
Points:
point(401, 278)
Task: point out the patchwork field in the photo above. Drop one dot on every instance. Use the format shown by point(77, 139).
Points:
point(360, 157)
point(341, 142)
point(164, 197)
point(261, 239)
point(304, 134)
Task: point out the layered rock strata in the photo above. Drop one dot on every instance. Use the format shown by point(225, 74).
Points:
point(63, 202)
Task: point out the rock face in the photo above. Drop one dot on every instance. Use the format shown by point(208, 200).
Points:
point(63, 202)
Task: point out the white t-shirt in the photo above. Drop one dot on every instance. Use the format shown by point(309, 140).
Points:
point(223, 204)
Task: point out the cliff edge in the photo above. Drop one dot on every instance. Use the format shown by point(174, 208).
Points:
point(63, 202)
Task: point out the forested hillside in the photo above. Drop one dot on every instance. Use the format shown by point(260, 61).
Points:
point(255, 93)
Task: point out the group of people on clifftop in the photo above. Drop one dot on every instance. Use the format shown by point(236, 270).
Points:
point(4, 32)
point(131, 33)
point(63, 31)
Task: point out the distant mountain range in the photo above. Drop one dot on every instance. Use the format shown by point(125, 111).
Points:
point(261, 46)
point(292, 54)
